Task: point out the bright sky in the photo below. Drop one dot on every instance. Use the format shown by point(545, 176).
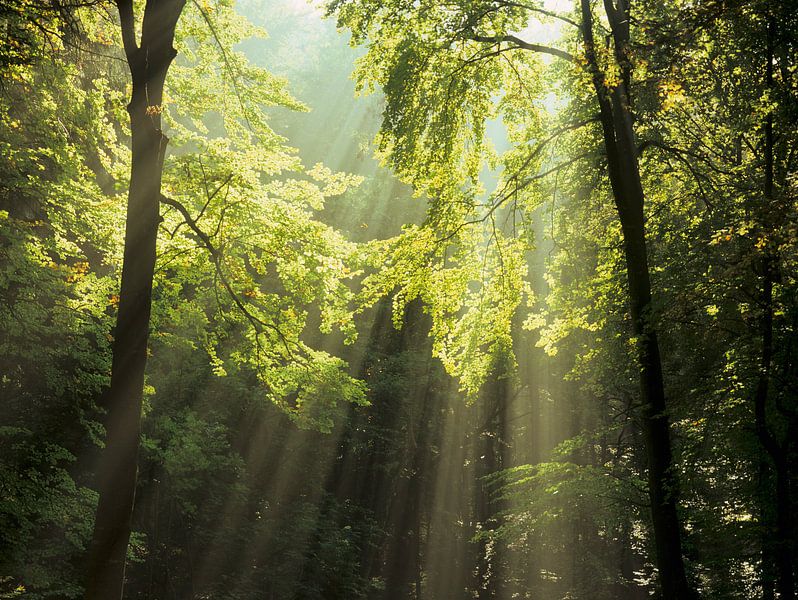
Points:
point(548, 32)
point(306, 8)
point(540, 32)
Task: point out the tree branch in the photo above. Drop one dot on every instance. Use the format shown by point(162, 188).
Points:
point(519, 43)
point(257, 323)
point(506, 195)
point(541, 11)
point(127, 21)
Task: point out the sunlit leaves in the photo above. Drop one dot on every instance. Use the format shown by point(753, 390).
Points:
point(467, 261)
point(60, 231)
point(255, 261)
point(240, 298)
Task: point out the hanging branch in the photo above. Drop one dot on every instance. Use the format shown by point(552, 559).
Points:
point(257, 323)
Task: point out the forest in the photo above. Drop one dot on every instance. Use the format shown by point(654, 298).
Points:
point(399, 300)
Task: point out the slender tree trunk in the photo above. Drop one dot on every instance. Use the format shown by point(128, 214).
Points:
point(624, 174)
point(768, 570)
point(776, 542)
point(784, 537)
point(780, 549)
point(148, 63)
point(490, 457)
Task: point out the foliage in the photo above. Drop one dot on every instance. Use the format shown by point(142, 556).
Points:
point(300, 436)
point(239, 272)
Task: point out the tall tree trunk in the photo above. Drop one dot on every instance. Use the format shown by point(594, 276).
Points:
point(148, 64)
point(768, 556)
point(624, 174)
point(784, 532)
point(490, 457)
point(780, 548)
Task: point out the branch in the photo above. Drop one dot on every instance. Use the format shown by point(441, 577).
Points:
point(257, 323)
point(541, 11)
point(213, 194)
point(538, 149)
point(208, 194)
point(234, 72)
point(685, 152)
point(680, 156)
point(127, 22)
point(503, 197)
point(519, 43)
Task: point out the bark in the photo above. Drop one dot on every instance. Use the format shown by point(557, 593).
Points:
point(490, 457)
point(404, 552)
point(624, 174)
point(780, 548)
point(768, 571)
point(785, 582)
point(117, 471)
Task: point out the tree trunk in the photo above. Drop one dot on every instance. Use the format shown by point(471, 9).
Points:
point(784, 544)
point(148, 63)
point(768, 556)
point(624, 174)
point(490, 457)
point(780, 549)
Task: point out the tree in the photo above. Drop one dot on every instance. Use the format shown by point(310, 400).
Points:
point(149, 60)
point(746, 188)
point(771, 213)
point(620, 144)
point(262, 261)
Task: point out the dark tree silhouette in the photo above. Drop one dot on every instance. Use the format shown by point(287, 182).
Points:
point(149, 61)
